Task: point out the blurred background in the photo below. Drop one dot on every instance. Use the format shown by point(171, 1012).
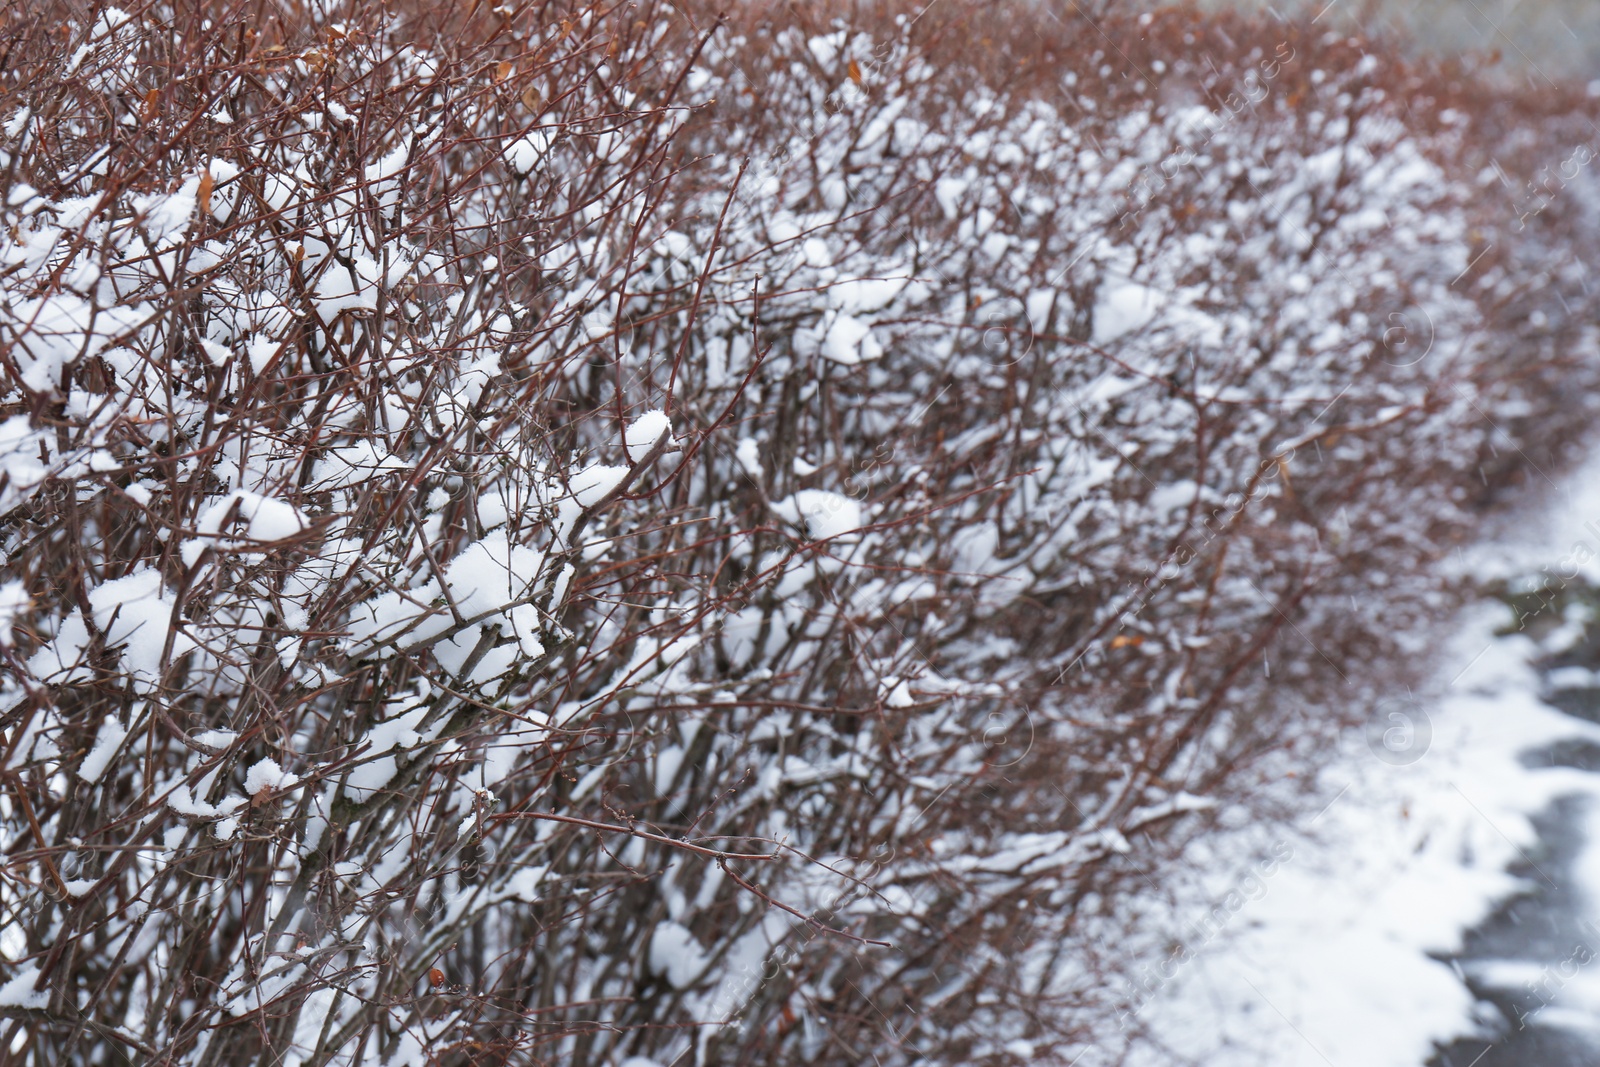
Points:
point(1534, 39)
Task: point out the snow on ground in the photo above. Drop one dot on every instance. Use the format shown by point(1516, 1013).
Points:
point(1339, 955)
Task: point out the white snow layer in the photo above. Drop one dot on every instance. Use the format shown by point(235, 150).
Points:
point(675, 954)
point(1331, 961)
point(523, 154)
point(824, 514)
point(106, 743)
point(19, 991)
point(643, 433)
point(266, 774)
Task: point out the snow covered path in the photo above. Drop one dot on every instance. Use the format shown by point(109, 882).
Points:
point(1443, 908)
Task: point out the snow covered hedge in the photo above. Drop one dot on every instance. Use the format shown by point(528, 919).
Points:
point(574, 532)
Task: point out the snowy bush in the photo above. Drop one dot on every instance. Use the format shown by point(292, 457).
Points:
point(569, 533)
